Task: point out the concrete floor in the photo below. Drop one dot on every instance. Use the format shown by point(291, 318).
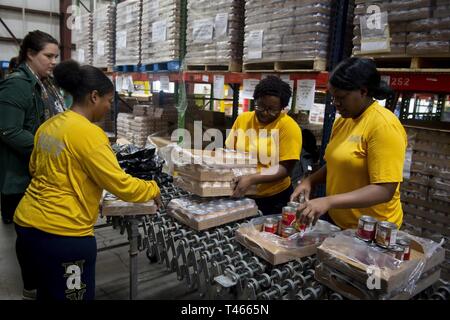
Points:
point(112, 273)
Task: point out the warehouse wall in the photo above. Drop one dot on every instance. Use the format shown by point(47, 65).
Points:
point(21, 24)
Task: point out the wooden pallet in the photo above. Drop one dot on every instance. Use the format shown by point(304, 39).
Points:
point(232, 66)
point(311, 65)
point(409, 63)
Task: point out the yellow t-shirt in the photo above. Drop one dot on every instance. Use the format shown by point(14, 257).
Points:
point(367, 150)
point(72, 162)
point(279, 140)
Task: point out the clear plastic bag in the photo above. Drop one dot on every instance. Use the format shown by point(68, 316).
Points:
point(311, 238)
point(345, 246)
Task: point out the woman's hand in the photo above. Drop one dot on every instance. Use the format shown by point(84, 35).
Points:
point(304, 187)
point(310, 211)
point(243, 183)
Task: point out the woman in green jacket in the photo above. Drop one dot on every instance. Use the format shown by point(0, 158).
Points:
point(27, 99)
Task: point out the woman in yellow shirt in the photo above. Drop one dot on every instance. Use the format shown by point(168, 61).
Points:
point(71, 164)
point(365, 155)
point(276, 140)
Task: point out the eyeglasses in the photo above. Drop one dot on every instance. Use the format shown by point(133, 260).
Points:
point(339, 100)
point(267, 110)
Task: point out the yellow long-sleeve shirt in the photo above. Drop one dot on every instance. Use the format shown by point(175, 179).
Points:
point(71, 164)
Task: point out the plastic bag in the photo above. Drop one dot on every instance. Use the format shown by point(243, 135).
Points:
point(312, 236)
point(346, 246)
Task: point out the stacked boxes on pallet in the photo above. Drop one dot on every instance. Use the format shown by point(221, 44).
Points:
point(104, 36)
point(83, 39)
point(215, 32)
point(161, 31)
point(128, 35)
point(426, 193)
point(145, 120)
point(290, 30)
point(417, 27)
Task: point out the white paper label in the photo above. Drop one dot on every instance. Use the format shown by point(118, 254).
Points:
point(205, 78)
point(255, 40)
point(164, 83)
point(249, 88)
point(129, 15)
point(118, 83)
point(101, 48)
point(125, 83)
point(306, 90)
point(121, 39)
point(130, 84)
point(159, 31)
point(375, 35)
point(203, 31)
point(219, 90)
point(221, 25)
point(81, 55)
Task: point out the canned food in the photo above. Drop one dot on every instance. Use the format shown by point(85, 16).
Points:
point(366, 228)
point(270, 225)
point(288, 216)
point(287, 232)
point(396, 251)
point(386, 234)
point(406, 245)
point(293, 204)
point(299, 226)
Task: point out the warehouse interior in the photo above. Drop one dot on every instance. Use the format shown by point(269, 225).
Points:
point(185, 72)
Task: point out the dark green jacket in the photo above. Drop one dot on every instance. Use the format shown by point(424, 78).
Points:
point(21, 114)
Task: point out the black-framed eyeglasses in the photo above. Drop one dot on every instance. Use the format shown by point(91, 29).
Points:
point(339, 100)
point(267, 110)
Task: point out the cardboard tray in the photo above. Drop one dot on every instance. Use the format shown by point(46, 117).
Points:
point(391, 279)
point(351, 289)
point(122, 208)
point(200, 173)
point(268, 250)
point(210, 220)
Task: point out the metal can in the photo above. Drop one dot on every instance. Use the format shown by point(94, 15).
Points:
point(386, 234)
point(406, 245)
point(299, 226)
point(366, 228)
point(287, 232)
point(396, 251)
point(293, 204)
point(287, 218)
point(270, 225)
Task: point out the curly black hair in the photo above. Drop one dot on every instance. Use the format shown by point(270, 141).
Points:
point(273, 86)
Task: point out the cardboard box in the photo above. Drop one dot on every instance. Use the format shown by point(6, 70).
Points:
point(199, 173)
point(213, 219)
point(391, 279)
point(122, 208)
point(269, 250)
point(199, 189)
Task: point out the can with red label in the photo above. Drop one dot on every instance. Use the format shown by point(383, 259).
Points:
point(287, 218)
point(406, 245)
point(270, 225)
point(396, 251)
point(366, 228)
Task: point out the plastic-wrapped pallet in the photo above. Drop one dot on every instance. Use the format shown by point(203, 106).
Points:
point(128, 34)
point(160, 31)
point(286, 30)
point(215, 32)
point(124, 125)
point(104, 36)
point(416, 27)
point(83, 39)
